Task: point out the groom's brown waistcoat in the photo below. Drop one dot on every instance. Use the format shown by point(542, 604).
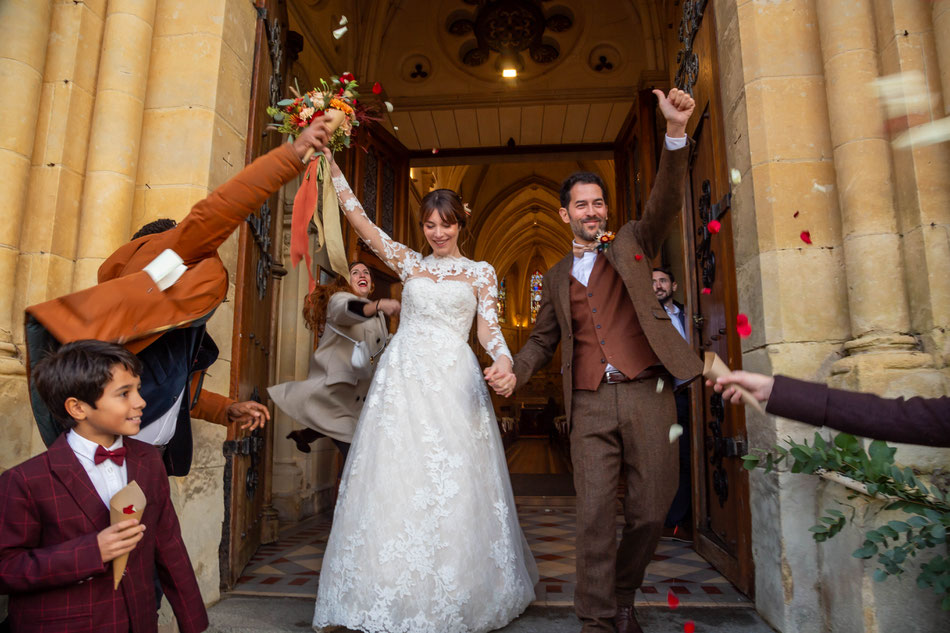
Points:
point(606, 328)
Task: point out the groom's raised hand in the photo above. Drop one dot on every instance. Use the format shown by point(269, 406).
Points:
point(676, 107)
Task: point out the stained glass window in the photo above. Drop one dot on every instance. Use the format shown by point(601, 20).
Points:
point(535, 295)
point(502, 296)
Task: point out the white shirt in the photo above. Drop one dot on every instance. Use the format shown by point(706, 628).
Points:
point(674, 313)
point(161, 431)
point(108, 477)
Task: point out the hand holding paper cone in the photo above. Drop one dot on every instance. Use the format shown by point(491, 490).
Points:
point(714, 367)
point(128, 503)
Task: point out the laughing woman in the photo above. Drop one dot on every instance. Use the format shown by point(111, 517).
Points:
point(329, 401)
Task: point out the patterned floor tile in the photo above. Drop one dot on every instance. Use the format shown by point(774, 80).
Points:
point(291, 567)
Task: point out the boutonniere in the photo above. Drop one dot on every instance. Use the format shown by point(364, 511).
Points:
point(603, 240)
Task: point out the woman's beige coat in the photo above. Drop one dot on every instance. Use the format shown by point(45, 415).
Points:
point(332, 396)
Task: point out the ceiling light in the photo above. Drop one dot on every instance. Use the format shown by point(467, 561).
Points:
point(509, 73)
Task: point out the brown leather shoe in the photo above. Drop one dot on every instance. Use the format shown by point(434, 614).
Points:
point(626, 620)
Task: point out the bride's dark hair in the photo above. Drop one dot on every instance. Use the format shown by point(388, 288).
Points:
point(445, 202)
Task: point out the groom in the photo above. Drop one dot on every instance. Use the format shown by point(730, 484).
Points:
point(618, 345)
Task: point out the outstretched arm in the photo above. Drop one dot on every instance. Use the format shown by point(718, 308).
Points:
point(666, 197)
point(397, 256)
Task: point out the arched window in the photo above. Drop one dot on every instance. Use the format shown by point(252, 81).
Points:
point(535, 295)
point(502, 296)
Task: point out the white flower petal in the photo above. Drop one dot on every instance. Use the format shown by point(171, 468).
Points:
point(343, 20)
point(675, 431)
point(340, 32)
point(389, 106)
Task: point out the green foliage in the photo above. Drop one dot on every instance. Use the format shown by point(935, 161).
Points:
point(894, 542)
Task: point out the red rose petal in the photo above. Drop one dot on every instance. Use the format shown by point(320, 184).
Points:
point(435, 150)
point(796, 214)
point(806, 237)
point(377, 88)
point(672, 600)
point(689, 627)
point(707, 291)
point(129, 509)
point(742, 325)
point(638, 257)
point(714, 226)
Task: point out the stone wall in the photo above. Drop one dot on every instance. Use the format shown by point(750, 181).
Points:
point(115, 113)
point(864, 306)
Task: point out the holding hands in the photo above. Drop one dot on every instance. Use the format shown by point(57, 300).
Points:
point(676, 107)
point(501, 377)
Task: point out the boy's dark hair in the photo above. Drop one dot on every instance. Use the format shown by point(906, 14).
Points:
point(585, 177)
point(80, 370)
point(666, 271)
point(156, 226)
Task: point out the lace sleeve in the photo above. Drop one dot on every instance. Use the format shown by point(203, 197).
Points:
point(399, 257)
point(489, 332)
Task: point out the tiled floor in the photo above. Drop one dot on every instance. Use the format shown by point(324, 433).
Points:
point(291, 567)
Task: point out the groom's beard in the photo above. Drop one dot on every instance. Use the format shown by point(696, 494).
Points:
point(583, 232)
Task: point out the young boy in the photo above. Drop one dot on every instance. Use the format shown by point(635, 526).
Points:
point(56, 543)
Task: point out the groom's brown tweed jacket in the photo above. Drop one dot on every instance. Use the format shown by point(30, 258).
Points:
point(631, 254)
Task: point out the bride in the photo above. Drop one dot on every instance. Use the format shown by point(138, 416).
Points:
point(425, 535)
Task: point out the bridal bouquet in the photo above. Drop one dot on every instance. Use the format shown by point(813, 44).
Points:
point(336, 102)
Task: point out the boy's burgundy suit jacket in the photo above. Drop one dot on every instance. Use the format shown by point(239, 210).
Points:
point(50, 564)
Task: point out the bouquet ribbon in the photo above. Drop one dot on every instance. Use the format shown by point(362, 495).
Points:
point(329, 228)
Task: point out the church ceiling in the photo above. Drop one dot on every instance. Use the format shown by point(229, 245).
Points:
point(579, 63)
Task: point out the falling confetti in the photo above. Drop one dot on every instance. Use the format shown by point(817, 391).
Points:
point(714, 226)
point(340, 32)
point(806, 237)
point(927, 134)
point(821, 188)
point(689, 627)
point(742, 325)
point(735, 176)
point(707, 291)
point(671, 598)
point(675, 431)
point(435, 150)
point(377, 88)
point(389, 106)
point(343, 20)
point(638, 257)
point(395, 128)
point(796, 214)
point(659, 385)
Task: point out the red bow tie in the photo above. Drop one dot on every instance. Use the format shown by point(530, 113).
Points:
point(102, 454)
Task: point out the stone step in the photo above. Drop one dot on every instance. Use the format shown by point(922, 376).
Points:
point(253, 614)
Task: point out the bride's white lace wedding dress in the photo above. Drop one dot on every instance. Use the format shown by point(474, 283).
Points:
point(425, 535)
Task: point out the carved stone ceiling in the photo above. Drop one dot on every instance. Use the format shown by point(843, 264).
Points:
point(417, 48)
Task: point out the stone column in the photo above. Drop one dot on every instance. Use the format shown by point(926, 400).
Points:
point(877, 291)
point(24, 31)
point(115, 136)
point(293, 343)
point(941, 25)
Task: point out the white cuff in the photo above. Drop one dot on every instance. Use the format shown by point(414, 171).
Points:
point(166, 269)
point(674, 144)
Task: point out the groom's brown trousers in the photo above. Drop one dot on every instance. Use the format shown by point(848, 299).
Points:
point(619, 427)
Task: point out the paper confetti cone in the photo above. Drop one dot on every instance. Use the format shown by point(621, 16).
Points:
point(714, 367)
point(128, 503)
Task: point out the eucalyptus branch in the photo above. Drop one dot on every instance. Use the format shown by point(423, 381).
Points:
point(873, 473)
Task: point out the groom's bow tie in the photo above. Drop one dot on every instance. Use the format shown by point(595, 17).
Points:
point(580, 249)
